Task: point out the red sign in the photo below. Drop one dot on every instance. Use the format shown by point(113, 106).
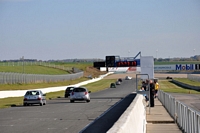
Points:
point(126, 63)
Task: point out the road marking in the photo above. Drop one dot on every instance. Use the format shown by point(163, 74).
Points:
point(51, 128)
point(6, 125)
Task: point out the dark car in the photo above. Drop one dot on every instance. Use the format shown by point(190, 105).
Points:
point(68, 91)
point(112, 85)
point(120, 80)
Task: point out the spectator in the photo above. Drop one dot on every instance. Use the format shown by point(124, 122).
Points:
point(145, 95)
point(144, 85)
point(157, 86)
point(152, 93)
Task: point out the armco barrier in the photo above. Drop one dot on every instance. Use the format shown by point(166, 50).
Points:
point(186, 85)
point(18, 93)
point(133, 120)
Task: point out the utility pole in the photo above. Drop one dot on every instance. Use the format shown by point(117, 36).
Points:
point(23, 63)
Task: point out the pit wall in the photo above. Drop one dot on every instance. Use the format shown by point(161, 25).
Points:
point(133, 119)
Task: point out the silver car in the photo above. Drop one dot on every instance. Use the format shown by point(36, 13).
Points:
point(80, 94)
point(118, 83)
point(34, 97)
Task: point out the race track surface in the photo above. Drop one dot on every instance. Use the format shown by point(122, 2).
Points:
point(61, 116)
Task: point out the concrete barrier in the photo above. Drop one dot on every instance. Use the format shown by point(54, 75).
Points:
point(133, 119)
point(197, 88)
point(19, 93)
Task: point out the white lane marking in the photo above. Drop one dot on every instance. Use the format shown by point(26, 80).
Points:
point(6, 125)
point(51, 128)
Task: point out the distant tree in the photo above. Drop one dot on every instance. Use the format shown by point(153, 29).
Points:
point(198, 58)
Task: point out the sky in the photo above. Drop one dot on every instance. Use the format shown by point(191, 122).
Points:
point(69, 29)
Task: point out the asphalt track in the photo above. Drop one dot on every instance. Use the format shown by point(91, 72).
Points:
point(61, 116)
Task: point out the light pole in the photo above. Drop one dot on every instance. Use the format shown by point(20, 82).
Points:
point(23, 63)
point(128, 53)
point(194, 51)
point(156, 54)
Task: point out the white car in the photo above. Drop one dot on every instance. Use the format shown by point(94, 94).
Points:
point(34, 97)
point(118, 83)
point(80, 94)
point(128, 78)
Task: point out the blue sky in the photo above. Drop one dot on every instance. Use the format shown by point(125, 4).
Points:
point(63, 29)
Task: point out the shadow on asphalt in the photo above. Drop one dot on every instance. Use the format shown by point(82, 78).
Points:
point(106, 121)
point(32, 105)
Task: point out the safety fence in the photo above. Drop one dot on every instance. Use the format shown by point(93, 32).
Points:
point(193, 77)
point(14, 78)
point(186, 118)
point(33, 63)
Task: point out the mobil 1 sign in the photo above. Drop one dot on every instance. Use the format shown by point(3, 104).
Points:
point(185, 66)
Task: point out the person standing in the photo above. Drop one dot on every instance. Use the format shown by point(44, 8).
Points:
point(157, 86)
point(152, 93)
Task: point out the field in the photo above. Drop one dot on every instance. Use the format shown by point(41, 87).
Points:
point(33, 70)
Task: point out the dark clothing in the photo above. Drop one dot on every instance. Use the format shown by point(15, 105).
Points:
point(144, 86)
point(152, 92)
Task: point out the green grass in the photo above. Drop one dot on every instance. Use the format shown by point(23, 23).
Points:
point(39, 85)
point(93, 87)
point(33, 70)
point(188, 81)
point(100, 85)
point(81, 65)
point(10, 101)
point(168, 86)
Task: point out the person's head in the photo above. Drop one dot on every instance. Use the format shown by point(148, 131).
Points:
point(150, 81)
point(142, 88)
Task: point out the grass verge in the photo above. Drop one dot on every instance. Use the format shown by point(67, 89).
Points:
point(188, 81)
point(168, 86)
point(33, 70)
point(39, 85)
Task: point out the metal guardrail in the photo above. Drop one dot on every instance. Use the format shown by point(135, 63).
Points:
point(14, 78)
point(187, 118)
point(193, 77)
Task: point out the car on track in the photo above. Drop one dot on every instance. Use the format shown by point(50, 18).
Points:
point(118, 82)
point(112, 85)
point(68, 90)
point(34, 97)
point(128, 78)
point(80, 94)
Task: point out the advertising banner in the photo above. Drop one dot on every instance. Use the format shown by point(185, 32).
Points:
point(164, 67)
point(178, 67)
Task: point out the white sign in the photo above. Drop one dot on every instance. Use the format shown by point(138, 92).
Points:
point(147, 67)
point(164, 67)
